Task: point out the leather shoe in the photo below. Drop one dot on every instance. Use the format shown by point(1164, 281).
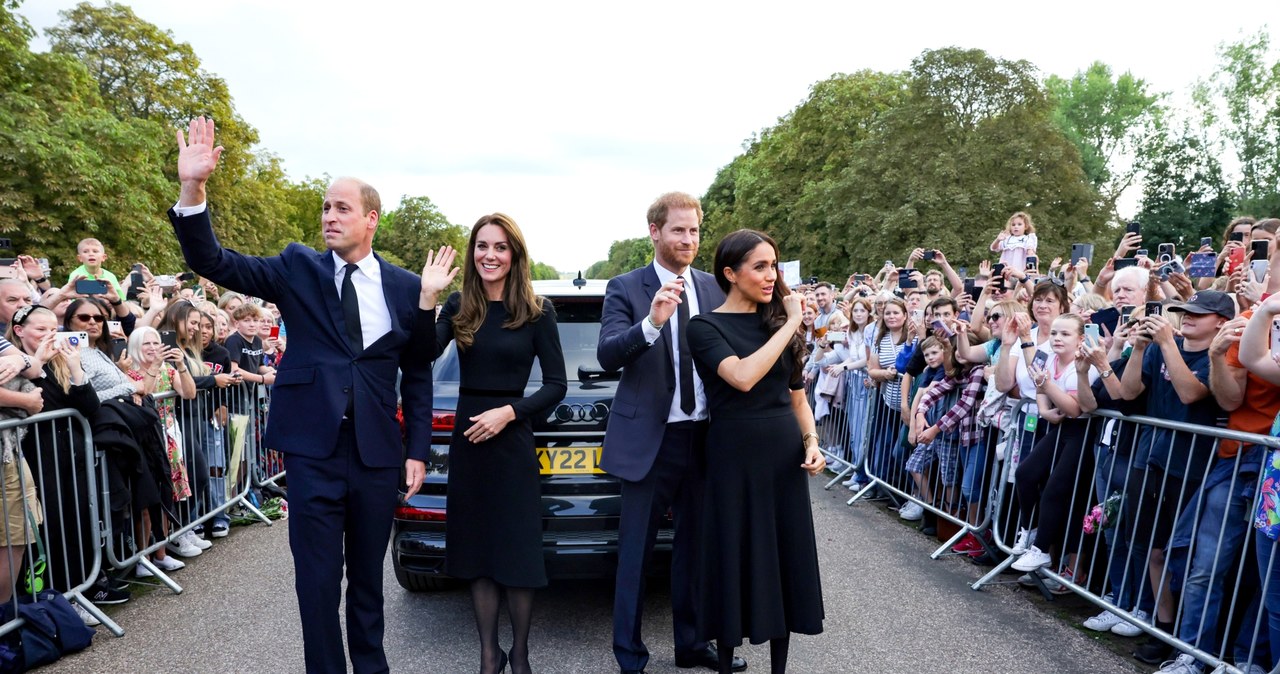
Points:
point(708, 658)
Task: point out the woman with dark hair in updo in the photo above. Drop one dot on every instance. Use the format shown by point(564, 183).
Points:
point(759, 561)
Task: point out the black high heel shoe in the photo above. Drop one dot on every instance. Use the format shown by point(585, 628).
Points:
point(502, 661)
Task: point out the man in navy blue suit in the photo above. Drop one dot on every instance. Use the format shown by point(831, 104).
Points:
point(333, 405)
point(657, 426)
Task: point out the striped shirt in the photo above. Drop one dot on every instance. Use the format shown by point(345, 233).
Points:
point(887, 353)
point(963, 414)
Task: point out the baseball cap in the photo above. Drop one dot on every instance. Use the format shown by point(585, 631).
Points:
point(1207, 302)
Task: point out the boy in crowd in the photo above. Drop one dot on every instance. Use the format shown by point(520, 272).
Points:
point(1175, 377)
point(91, 255)
point(245, 346)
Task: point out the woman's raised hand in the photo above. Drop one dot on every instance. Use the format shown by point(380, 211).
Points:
point(438, 273)
point(794, 304)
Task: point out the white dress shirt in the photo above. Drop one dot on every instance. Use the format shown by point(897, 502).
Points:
point(651, 335)
point(375, 318)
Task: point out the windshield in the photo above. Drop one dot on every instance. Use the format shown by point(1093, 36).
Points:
point(578, 319)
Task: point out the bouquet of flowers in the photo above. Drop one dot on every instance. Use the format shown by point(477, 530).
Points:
point(1103, 515)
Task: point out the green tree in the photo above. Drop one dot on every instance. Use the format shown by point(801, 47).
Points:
point(624, 256)
point(973, 141)
point(1112, 120)
point(541, 271)
point(1242, 103)
point(1185, 194)
point(407, 233)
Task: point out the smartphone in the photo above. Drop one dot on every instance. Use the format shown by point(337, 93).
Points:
point(118, 347)
point(1206, 241)
point(6, 244)
point(167, 281)
point(1164, 252)
point(917, 315)
point(79, 340)
point(91, 287)
point(832, 337)
point(962, 271)
point(1236, 236)
point(997, 269)
point(1234, 260)
point(1124, 263)
point(1133, 228)
point(114, 326)
point(1201, 265)
point(44, 265)
point(275, 332)
point(1081, 250)
point(929, 254)
point(859, 278)
point(186, 276)
point(1040, 359)
point(1154, 308)
point(1032, 262)
point(8, 261)
point(1108, 318)
point(8, 271)
point(1275, 335)
point(1126, 314)
point(1259, 269)
point(169, 338)
point(1142, 252)
point(813, 280)
point(1091, 331)
point(971, 288)
point(905, 280)
point(941, 328)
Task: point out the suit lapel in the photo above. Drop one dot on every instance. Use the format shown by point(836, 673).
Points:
point(325, 273)
point(388, 293)
point(708, 292)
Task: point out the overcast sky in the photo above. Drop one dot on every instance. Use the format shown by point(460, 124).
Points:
point(572, 117)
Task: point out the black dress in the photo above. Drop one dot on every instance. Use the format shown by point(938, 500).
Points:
point(494, 499)
point(759, 561)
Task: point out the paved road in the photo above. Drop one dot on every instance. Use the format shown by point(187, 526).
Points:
point(889, 609)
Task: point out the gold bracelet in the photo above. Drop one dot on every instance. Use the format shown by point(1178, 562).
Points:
point(804, 439)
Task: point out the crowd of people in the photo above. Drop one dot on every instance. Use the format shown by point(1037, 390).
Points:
point(931, 380)
point(111, 348)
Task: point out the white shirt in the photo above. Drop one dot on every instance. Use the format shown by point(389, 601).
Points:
point(651, 335)
point(375, 318)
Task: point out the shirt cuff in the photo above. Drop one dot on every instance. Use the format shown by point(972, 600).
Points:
point(187, 211)
point(651, 333)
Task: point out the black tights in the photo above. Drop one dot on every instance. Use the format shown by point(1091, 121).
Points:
point(486, 596)
point(777, 656)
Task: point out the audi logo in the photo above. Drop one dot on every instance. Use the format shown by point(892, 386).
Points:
point(581, 412)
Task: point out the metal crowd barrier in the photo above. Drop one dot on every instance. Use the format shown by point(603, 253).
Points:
point(218, 433)
point(50, 477)
point(947, 480)
point(1177, 541)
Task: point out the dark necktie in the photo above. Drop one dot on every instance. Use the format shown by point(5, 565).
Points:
point(351, 309)
point(687, 402)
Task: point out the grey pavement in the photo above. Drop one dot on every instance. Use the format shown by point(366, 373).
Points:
point(889, 609)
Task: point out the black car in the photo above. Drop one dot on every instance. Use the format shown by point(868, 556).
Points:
point(580, 503)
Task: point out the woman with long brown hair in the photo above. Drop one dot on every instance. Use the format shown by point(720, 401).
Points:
point(759, 559)
point(494, 537)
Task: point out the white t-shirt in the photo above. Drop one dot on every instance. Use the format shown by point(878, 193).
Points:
point(1065, 378)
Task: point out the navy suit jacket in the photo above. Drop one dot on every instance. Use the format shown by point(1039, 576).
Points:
point(638, 418)
point(321, 369)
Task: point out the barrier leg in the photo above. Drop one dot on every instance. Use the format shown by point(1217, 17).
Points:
point(96, 612)
point(964, 531)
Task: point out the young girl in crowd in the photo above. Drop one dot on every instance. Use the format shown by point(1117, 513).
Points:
point(1046, 480)
point(890, 339)
point(218, 360)
point(1016, 242)
point(857, 387)
point(829, 388)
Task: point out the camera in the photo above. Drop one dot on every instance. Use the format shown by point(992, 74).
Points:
point(930, 254)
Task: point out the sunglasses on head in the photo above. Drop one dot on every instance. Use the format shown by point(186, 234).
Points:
point(96, 318)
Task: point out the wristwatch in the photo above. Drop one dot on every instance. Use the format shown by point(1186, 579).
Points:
point(1106, 374)
point(1028, 345)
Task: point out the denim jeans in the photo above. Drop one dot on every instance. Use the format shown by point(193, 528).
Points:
point(1126, 572)
point(976, 458)
point(215, 452)
point(1270, 581)
point(1223, 507)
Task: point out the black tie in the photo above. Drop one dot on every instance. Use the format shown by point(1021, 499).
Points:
point(351, 309)
point(686, 359)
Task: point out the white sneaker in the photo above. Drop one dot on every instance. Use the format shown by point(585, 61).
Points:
point(220, 530)
point(1032, 560)
point(911, 512)
point(86, 616)
point(851, 481)
point(1128, 629)
point(198, 541)
point(1185, 664)
point(142, 571)
point(856, 486)
point(1249, 669)
point(183, 547)
point(167, 563)
point(1103, 622)
point(1022, 541)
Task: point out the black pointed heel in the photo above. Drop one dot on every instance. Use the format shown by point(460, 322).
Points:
point(502, 662)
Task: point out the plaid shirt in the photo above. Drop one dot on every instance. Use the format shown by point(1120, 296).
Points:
point(962, 413)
